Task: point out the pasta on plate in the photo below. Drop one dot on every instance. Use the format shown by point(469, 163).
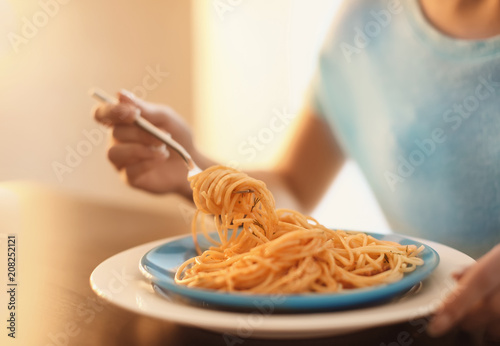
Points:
point(263, 250)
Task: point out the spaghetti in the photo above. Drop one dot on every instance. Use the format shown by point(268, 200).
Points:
point(263, 250)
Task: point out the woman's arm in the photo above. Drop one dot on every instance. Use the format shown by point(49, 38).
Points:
point(309, 164)
point(298, 180)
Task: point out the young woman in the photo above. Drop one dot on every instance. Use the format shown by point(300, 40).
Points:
point(411, 91)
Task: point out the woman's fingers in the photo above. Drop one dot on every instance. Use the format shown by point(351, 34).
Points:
point(476, 285)
point(126, 154)
point(147, 175)
point(459, 274)
point(139, 156)
point(485, 316)
point(151, 112)
point(477, 318)
point(493, 331)
point(110, 114)
point(494, 303)
point(126, 110)
point(134, 134)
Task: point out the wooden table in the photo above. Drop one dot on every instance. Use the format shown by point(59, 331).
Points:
point(61, 238)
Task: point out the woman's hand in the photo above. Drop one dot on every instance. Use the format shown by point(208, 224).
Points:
point(475, 303)
point(140, 157)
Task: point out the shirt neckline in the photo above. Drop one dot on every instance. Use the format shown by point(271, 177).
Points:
point(447, 45)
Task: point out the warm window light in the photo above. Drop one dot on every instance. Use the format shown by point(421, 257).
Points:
point(253, 64)
point(23, 20)
point(10, 24)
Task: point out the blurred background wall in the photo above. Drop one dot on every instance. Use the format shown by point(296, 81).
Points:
point(53, 52)
point(228, 66)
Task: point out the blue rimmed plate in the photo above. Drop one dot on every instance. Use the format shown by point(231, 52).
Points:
point(160, 264)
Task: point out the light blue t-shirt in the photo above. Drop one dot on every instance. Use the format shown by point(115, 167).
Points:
point(420, 114)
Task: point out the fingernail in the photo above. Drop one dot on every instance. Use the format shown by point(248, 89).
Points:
point(128, 94)
point(439, 325)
